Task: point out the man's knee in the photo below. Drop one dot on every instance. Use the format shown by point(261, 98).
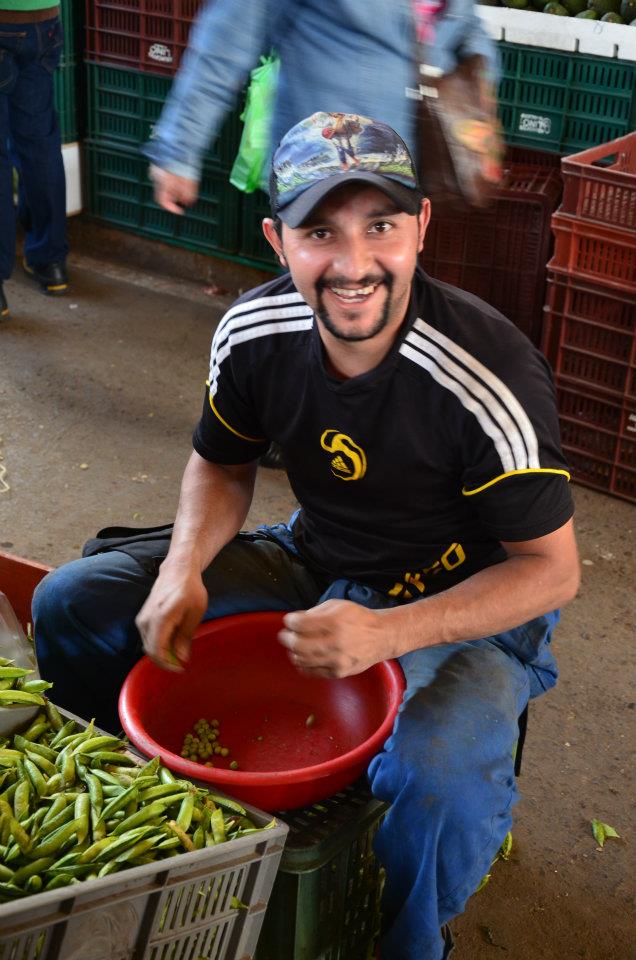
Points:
point(60, 590)
point(456, 764)
point(91, 591)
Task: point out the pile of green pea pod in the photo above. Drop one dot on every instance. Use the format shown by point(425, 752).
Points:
point(74, 805)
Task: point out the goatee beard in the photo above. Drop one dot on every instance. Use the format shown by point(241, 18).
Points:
point(382, 321)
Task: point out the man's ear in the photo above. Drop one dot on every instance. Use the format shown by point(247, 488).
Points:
point(423, 219)
point(273, 238)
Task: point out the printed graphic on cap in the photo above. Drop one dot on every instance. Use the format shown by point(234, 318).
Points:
point(327, 144)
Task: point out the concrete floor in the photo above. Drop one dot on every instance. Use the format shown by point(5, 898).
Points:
point(99, 392)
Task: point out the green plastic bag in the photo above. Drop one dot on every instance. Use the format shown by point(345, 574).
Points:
point(249, 167)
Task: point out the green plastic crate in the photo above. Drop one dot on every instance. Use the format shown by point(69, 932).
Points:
point(254, 246)
point(119, 192)
point(65, 94)
point(564, 102)
point(124, 105)
point(325, 904)
point(72, 16)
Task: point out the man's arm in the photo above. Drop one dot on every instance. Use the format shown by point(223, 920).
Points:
point(213, 504)
point(339, 638)
point(224, 45)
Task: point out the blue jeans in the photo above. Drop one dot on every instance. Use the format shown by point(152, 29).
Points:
point(30, 141)
point(447, 769)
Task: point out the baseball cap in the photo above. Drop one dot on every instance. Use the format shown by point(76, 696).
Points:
point(327, 150)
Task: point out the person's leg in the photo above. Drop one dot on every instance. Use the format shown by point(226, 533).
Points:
point(83, 615)
point(8, 75)
point(448, 773)
point(35, 142)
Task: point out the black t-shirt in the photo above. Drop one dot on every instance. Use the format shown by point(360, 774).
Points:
point(409, 476)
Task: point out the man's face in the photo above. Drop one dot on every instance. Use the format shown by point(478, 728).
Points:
point(353, 261)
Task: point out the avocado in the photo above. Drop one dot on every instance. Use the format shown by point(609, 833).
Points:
point(587, 15)
point(515, 4)
point(612, 18)
point(628, 10)
point(604, 6)
point(555, 9)
point(574, 6)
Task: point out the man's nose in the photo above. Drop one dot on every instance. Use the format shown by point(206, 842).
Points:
point(353, 258)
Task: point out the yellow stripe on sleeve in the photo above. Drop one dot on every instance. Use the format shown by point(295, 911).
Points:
point(231, 429)
point(514, 473)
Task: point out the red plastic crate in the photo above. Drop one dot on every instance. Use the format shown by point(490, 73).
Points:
point(499, 254)
point(600, 184)
point(594, 251)
point(589, 333)
point(148, 35)
point(18, 580)
point(598, 433)
point(532, 158)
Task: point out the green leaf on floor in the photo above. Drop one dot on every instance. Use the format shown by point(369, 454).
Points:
point(602, 831)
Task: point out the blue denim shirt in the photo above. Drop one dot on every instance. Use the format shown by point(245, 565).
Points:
point(352, 56)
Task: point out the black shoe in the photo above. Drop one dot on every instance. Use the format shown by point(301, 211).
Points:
point(273, 458)
point(4, 306)
point(52, 278)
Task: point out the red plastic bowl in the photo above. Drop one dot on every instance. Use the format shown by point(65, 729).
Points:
point(241, 675)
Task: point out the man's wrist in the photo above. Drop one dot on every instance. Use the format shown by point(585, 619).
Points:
point(184, 560)
point(419, 624)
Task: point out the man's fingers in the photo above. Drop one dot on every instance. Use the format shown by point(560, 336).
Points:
point(308, 623)
point(172, 192)
point(161, 653)
point(168, 201)
point(181, 648)
point(288, 638)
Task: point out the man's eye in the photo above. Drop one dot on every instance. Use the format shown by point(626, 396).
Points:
point(382, 226)
point(319, 233)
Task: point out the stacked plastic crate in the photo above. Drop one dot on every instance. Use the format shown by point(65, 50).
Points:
point(590, 316)
point(65, 78)
point(67, 91)
point(133, 50)
point(500, 253)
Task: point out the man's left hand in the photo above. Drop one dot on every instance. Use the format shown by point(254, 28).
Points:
point(338, 638)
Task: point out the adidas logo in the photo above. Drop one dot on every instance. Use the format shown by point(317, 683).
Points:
point(338, 464)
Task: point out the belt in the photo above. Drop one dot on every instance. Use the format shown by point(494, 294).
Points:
point(28, 16)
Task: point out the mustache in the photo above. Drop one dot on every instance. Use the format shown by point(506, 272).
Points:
point(341, 281)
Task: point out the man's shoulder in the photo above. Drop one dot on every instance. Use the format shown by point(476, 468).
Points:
point(279, 292)
point(454, 316)
point(268, 317)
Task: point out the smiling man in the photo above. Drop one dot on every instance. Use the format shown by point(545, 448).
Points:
point(421, 439)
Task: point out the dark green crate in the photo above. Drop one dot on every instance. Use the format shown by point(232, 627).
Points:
point(325, 904)
point(255, 206)
point(119, 192)
point(124, 105)
point(72, 17)
point(564, 102)
point(65, 94)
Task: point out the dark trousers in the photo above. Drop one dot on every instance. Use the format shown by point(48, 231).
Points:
point(30, 141)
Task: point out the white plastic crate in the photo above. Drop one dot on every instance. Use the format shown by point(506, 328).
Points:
point(537, 29)
point(204, 905)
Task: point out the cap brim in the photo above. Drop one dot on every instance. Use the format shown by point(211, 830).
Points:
point(408, 199)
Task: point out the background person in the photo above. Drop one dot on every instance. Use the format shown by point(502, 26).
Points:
point(421, 440)
point(357, 56)
point(31, 40)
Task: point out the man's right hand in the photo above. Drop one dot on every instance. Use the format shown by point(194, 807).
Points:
point(172, 192)
point(170, 616)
